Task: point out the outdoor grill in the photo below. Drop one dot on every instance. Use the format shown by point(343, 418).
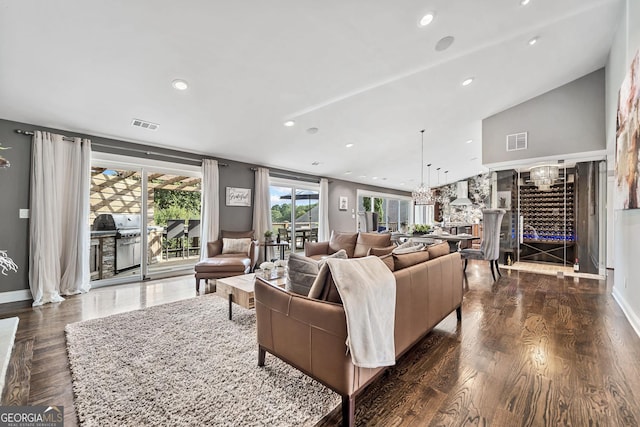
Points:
point(127, 228)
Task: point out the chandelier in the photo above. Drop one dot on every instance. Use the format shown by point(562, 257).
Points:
point(544, 176)
point(422, 195)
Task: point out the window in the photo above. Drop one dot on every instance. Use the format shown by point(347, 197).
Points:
point(393, 211)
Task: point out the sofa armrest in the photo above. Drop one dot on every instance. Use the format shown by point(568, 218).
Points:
point(214, 248)
point(308, 334)
point(316, 248)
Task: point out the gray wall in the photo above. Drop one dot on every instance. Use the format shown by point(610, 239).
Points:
point(569, 119)
point(14, 192)
point(347, 220)
point(626, 223)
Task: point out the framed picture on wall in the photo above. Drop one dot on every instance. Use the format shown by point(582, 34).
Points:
point(238, 196)
point(344, 203)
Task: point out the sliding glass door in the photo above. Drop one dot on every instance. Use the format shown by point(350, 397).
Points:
point(144, 221)
point(295, 212)
point(383, 212)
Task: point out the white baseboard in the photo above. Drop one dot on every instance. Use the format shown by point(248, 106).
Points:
point(633, 319)
point(13, 296)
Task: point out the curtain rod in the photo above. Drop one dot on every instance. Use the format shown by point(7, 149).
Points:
point(136, 150)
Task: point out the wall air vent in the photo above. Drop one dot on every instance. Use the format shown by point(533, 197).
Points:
point(144, 124)
point(517, 141)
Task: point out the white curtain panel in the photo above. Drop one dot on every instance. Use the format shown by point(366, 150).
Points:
point(210, 205)
point(262, 208)
point(323, 207)
point(59, 225)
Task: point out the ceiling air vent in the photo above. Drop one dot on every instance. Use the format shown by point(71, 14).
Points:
point(144, 124)
point(517, 141)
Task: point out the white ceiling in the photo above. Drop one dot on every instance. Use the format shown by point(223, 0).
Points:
point(362, 72)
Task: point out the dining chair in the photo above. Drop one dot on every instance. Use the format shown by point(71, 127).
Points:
point(490, 245)
point(174, 233)
point(193, 236)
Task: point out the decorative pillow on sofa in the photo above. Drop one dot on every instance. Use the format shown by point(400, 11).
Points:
point(380, 252)
point(388, 261)
point(346, 241)
point(302, 271)
point(366, 241)
point(438, 249)
point(408, 247)
point(405, 260)
point(235, 246)
point(324, 288)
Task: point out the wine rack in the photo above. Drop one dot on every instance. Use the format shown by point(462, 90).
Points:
point(549, 216)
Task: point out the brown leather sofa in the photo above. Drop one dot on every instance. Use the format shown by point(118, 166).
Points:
point(310, 334)
point(356, 244)
point(220, 264)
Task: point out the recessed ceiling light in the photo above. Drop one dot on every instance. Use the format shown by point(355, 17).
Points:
point(467, 82)
point(402, 183)
point(374, 177)
point(347, 173)
point(180, 84)
point(533, 41)
point(363, 176)
point(312, 130)
point(426, 20)
point(524, 2)
point(349, 145)
point(289, 123)
point(469, 141)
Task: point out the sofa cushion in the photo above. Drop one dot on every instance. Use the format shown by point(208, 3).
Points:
point(379, 252)
point(405, 260)
point(366, 241)
point(233, 264)
point(346, 241)
point(438, 249)
point(236, 246)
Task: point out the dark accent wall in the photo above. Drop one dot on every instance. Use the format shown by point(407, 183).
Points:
point(239, 175)
point(14, 195)
point(569, 119)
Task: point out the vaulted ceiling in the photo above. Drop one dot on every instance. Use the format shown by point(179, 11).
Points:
point(358, 72)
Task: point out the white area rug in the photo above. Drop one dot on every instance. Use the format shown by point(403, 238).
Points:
point(8, 328)
point(186, 364)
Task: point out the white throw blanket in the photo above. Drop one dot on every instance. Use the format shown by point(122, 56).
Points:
point(368, 292)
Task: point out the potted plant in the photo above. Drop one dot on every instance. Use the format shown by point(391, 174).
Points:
point(268, 236)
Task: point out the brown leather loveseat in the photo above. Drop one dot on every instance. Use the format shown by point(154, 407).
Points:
point(310, 334)
point(238, 257)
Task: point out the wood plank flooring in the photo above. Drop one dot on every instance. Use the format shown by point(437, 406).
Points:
point(532, 350)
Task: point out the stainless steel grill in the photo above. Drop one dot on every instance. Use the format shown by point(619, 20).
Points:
point(127, 228)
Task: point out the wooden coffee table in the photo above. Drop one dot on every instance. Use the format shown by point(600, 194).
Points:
point(239, 290)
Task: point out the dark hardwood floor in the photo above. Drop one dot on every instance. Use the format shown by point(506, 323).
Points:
point(531, 350)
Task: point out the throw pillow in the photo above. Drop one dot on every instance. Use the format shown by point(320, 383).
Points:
point(438, 249)
point(341, 254)
point(235, 246)
point(367, 241)
point(408, 249)
point(324, 288)
point(388, 261)
point(301, 272)
point(401, 261)
point(379, 252)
